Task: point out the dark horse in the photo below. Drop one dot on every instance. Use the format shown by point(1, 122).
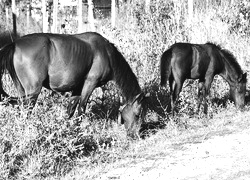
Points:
point(77, 63)
point(201, 61)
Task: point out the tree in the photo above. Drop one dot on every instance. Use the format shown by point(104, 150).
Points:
point(7, 16)
point(190, 10)
point(91, 15)
point(28, 14)
point(13, 5)
point(80, 16)
point(113, 13)
point(55, 11)
point(45, 19)
point(147, 6)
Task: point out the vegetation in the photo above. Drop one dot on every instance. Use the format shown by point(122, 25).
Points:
point(49, 146)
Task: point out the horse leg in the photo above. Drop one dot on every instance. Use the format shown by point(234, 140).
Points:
point(29, 95)
point(171, 85)
point(176, 87)
point(201, 94)
point(29, 101)
point(207, 85)
point(88, 87)
point(73, 102)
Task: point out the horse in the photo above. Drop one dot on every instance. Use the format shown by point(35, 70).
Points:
point(7, 37)
point(75, 63)
point(201, 61)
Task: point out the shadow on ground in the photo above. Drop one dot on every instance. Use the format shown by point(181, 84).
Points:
point(150, 128)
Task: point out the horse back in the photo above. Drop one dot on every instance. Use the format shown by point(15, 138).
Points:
point(190, 61)
point(103, 55)
point(111, 64)
point(216, 64)
point(59, 61)
point(71, 60)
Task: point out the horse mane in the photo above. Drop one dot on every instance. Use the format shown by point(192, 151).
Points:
point(123, 74)
point(229, 57)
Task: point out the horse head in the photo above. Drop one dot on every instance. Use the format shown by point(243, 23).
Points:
point(132, 115)
point(238, 91)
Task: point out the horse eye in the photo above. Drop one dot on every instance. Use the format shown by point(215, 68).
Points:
point(239, 88)
point(137, 115)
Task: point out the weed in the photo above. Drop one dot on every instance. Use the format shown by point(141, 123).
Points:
point(49, 146)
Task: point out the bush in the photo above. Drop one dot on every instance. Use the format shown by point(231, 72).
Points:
point(48, 145)
point(238, 18)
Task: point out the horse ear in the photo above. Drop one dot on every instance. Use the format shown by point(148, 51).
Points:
point(243, 78)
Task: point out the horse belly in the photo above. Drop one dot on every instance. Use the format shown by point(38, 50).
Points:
point(66, 79)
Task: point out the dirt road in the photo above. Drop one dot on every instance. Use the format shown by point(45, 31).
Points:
point(222, 157)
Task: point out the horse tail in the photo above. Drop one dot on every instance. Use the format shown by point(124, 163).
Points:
point(6, 63)
point(165, 66)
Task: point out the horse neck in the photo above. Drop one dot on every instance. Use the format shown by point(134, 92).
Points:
point(230, 73)
point(124, 76)
point(129, 85)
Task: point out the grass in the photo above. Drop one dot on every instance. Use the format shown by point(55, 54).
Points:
point(49, 146)
point(171, 137)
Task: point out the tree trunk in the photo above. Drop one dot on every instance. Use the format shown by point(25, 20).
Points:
point(14, 17)
point(91, 15)
point(55, 10)
point(113, 13)
point(190, 10)
point(28, 14)
point(147, 6)
point(80, 20)
point(7, 17)
point(232, 2)
point(45, 19)
point(207, 4)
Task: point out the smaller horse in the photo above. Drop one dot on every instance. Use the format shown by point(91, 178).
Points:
point(201, 61)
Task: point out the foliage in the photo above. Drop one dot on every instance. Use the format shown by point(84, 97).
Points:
point(239, 18)
point(49, 146)
point(151, 32)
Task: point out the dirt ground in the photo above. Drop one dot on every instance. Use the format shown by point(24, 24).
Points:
point(225, 156)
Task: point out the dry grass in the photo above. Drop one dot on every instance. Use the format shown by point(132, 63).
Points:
point(49, 146)
point(165, 143)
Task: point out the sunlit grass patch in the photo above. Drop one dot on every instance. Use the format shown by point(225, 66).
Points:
point(48, 145)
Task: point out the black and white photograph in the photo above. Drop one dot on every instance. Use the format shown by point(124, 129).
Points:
point(124, 90)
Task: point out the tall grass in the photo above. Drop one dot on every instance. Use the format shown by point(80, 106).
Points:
point(144, 36)
point(49, 146)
